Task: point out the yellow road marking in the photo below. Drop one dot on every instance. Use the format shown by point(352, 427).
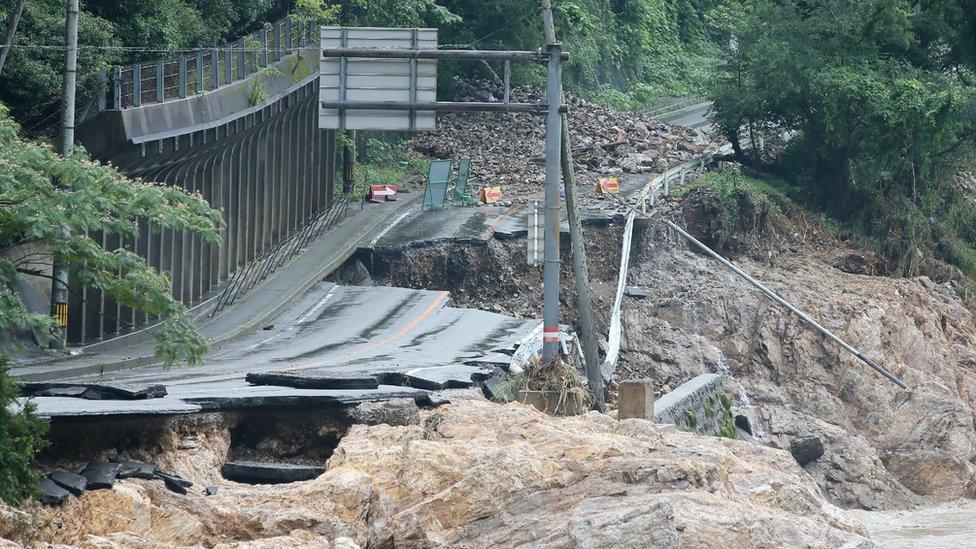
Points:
point(441, 296)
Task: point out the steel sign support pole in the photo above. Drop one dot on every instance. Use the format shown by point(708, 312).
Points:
point(59, 279)
point(550, 276)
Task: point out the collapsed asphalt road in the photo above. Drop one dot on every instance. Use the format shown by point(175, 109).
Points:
point(363, 343)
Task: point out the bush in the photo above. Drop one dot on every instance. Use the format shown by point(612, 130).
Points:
point(22, 436)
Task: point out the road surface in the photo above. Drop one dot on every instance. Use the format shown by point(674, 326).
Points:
point(343, 333)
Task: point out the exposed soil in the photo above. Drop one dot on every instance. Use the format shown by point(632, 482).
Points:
point(492, 276)
point(885, 448)
point(606, 142)
point(473, 474)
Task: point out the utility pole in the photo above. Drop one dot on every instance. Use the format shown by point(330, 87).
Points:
point(8, 38)
point(59, 279)
point(550, 268)
point(580, 269)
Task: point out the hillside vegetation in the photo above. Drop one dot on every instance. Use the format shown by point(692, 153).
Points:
point(627, 52)
point(878, 102)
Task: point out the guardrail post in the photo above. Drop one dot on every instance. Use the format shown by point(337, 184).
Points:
point(508, 82)
point(102, 97)
point(199, 61)
point(160, 81)
point(183, 80)
point(137, 85)
point(229, 63)
point(276, 41)
point(414, 41)
point(242, 60)
point(215, 68)
point(117, 88)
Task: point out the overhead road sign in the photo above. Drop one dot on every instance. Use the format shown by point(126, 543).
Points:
point(362, 76)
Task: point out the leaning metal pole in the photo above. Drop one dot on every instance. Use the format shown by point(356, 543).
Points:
point(550, 273)
point(59, 278)
point(8, 38)
point(772, 295)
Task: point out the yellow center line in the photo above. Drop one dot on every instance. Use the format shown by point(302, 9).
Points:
point(441, 296)
point(501, 219)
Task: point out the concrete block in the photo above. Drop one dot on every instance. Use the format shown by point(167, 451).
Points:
point(635, 398)
point(693, 398)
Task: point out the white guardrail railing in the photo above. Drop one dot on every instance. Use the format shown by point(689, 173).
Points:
point(657, 187)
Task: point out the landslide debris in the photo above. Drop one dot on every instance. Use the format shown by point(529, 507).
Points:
point(476, 474)
point(508, 150)
point(882, 447)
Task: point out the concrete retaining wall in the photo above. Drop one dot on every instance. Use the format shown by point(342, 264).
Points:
point(699, 405)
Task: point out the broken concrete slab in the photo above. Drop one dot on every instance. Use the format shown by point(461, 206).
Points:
point(135, 469)
point(101, 475)
point(173, 482)
point(74, 483)
point(499, 359)
point(253, 472)
point(61, 407)
point(436, 378)
point(314, 380)
point(93, 391)
point(243, 397)
point(430, 401)
point(635, 292)
point(51, 493)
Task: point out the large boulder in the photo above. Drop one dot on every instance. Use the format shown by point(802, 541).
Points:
point(477, 474)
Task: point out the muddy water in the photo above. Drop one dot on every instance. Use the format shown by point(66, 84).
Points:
point(949, 525)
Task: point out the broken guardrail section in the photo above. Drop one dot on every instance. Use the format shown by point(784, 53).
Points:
point(655, 188)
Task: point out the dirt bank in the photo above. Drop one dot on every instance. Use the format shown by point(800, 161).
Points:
point(476, 474)
point(884, 448)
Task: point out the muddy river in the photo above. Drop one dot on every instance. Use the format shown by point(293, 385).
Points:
point(949, 525)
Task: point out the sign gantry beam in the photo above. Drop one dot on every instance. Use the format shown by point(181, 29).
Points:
point(539, 56)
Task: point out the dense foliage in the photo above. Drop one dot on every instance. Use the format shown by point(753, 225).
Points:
point(624, 51)
point(21, 438)
point(55, 203)
point(31, 80)
point(878, 100)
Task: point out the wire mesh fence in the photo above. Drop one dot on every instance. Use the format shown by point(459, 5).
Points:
point(200, 71)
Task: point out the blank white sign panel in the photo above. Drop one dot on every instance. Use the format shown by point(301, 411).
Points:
point(377, 80)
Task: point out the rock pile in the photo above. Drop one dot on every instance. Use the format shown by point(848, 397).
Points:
point(476, 474)
point(509, 149)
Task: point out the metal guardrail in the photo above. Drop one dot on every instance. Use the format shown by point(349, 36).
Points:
point(661, 186)
point(203, 70)
point(657, 187)
point(259, 269)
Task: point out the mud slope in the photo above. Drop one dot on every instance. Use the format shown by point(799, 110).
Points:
point(884, 446)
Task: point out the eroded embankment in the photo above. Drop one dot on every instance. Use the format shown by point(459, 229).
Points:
point(883, 448)
point(471, 474)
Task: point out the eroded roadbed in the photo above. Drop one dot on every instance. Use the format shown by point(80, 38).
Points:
point(337, 346)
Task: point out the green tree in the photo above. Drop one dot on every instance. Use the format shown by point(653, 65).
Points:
point(21, 438)
point(880, 111)
point(59, 218)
